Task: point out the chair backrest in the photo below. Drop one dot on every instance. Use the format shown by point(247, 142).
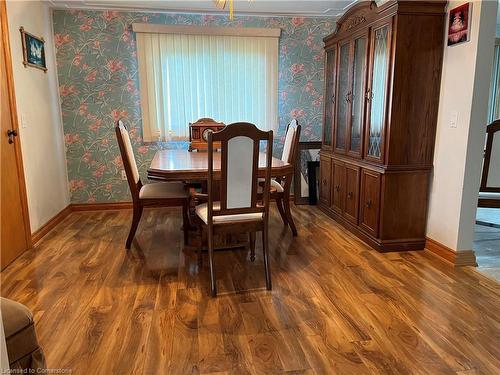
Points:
point(292, 137)
point(128, 158)
point(490, 180)
point(239, 166)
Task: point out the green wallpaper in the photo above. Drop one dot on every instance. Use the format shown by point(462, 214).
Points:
point(97, 71)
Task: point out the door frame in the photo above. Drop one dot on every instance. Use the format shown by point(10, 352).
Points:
point(14, 120)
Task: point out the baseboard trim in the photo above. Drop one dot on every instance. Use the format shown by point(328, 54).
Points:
point(456, 258)
point(37, 235)
point(101, 206)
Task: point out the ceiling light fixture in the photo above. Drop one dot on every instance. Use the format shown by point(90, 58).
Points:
point(221, 4)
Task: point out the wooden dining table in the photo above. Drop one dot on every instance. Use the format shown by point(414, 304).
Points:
point(188, 166)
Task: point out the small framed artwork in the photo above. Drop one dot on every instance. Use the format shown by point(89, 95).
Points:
point(33, 50)
point(459, 24)
point(305, 188)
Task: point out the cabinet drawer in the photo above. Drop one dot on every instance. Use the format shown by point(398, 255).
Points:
point(351, 193)
point(325, 178)
point(338, 186)
point(370, 201)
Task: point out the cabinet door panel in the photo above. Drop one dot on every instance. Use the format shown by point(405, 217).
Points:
point(325, 178)
point(338, 186)
point(357, 97)
point(377, 92)
point(329, 97)
point(351, 193)
point(343, 92)
point(370, 201)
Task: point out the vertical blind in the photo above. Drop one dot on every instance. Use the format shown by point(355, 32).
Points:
point(184, 77)
point(494, 105)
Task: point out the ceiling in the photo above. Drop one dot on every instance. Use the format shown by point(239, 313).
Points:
point(311, 8)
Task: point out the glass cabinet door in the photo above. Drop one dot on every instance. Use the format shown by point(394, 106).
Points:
point(357, 97)
point(376, 95)
point(329, 97)
point(343, 95)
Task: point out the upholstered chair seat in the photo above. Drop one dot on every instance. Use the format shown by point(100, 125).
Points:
point(275, 186)
point(202, 212)
point(162, 190)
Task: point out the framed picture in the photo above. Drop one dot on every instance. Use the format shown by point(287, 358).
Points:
point(459, 24)
point(33, 50)
point(306, 173)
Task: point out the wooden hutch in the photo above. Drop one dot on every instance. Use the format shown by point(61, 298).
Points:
point(382, 81)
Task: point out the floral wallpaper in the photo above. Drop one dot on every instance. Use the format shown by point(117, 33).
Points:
point(98, 84)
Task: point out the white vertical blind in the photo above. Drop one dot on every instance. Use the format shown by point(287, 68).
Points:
point(184, 77)
point(494, 105)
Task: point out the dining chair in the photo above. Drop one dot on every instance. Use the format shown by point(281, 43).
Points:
point(281, 186)
point(158, 194)
point(238, 210)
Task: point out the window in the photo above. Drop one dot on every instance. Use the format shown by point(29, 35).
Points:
point(189, 72)
point(494, 104)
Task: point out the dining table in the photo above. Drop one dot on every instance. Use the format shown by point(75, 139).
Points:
point(192, 166)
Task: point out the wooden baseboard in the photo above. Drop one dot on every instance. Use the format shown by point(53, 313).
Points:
point(101, 206)
point(49, 225)
point(456, 258)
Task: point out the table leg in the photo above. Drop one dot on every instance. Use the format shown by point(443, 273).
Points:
point(286, 206)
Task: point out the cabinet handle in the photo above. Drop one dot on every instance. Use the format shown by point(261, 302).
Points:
point(369, 203)
point(349, 195)
point(337, 187)
point(324, 181)
point(348, 97)
point(333, 98)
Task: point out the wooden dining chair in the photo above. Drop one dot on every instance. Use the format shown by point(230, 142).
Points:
point(238, 209)
point(280, 187)
point(158, 194)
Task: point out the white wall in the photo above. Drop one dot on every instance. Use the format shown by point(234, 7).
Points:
point(37, 100)
point(465, 84)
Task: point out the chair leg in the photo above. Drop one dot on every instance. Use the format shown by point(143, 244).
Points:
point(211, 261)
point(185, 221)
point(265, 248)
point(135, 223)
point(286, 204)
point(200, 249)
point(279, 203)
point(252, 246)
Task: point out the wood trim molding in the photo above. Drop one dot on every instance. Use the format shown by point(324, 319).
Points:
point(456, 258)
point(49, 225)
point(101, 206)
point(37, 235)
point(205, 30)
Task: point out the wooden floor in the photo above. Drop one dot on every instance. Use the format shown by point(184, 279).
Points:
point(337, 306)
point(486, 244)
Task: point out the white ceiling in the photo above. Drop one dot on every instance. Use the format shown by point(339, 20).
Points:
point(311, 8)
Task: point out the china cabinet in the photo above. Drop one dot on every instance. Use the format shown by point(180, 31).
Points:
point(382, 80)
